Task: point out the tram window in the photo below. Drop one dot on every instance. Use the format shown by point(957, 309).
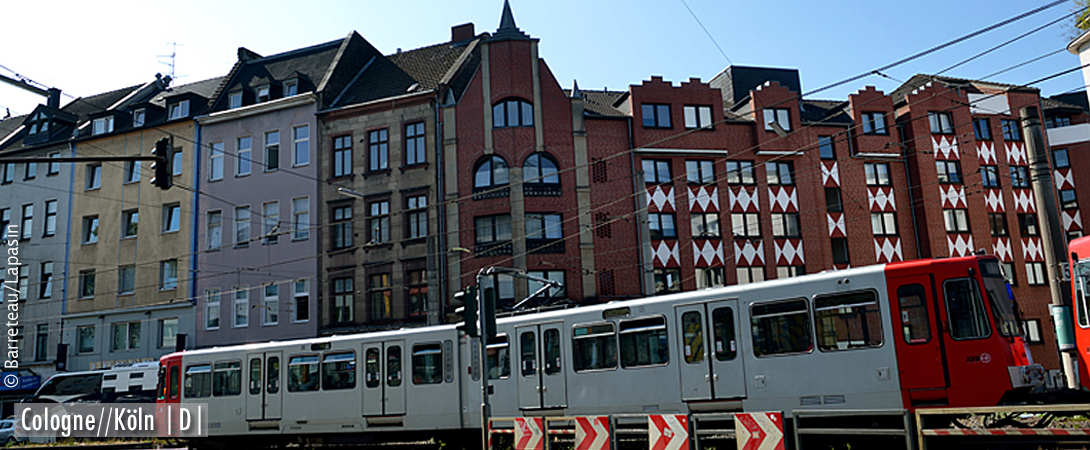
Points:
point(552, 351)
point(968, 318)
point(528, 350)
point(198, 381)
point(272, 377)
point(499, 358)
point(915, 324)
point(303, 373)
point(848, 321)
point(1082, 295)
point(227, 378)
point(175, 381)
point(338, 371)
point(393, 366)
point(161, 391)
point(692, 337)
point(427, 363)
point(644, 342)
point(594, 347)
point(255, 376)
point(726, 346)
point(780, 327)
point(372, 368)
point(999, 298)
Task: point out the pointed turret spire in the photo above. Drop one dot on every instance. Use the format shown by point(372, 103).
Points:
point(508, 30)
point(575, 92)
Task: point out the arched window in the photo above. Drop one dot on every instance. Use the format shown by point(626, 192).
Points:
point(541, 176)
point(490, 174)
point(512, 113)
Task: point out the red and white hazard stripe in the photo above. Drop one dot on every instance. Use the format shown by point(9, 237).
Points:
point(1012, 432)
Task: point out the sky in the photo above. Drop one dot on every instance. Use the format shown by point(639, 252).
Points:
point(85, 48)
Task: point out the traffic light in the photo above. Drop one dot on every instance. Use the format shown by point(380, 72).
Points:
point(469, 298)
point(163, 174)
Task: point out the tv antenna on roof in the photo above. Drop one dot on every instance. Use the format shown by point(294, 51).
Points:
point(173, 56)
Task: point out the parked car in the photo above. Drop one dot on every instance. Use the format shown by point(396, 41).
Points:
point(7, 432)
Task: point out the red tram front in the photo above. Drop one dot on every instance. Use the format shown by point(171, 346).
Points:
point(1079, 251)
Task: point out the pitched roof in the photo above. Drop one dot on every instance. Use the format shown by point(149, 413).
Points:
point(1071, 100)
point(205, 88)
point(428, 65)
point(919, 80)
point(311, 65)
point(824, 111)
point(600, 103)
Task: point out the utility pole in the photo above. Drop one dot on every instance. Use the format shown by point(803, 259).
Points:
point(1052, 238)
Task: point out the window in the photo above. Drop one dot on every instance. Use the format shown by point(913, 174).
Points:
point(490, 229)
point(176, 163)
point(848, 321)
point(746, 225)
point(272, 150)
point(427, 363)
point(379, 296)
point(748, 275)
point(379, 222)
point(553, 275)
point(709, 277)
point(378, 150)
point(338, 371)
point(1019, 177)
point(9, 173)
point(27, 229)
point(50, 218)
point(45, 289)
point(168, 274)
point(212, 309)
point(262, 94)
point(785, 225)
point(179, 110)
point(1057, 121)
point(1035, 274)
point(214, 236)
point(1027, 224)
point(883, 223)
point(780, 327)
point(342, 227)
point(94, 176)
point(656, 171)
point(244, 156)
point(512, 113)
point(271, 304)
point(126, 336)
point(54, 167)
point(1068, 200)
point(5, 221)
point(989, 176)
point(86, 339)
point(301, 145)
point(126, 280)
point(301, 297)
point(31, 171)
point(226, 378)
point(138, 117)
point(941, 123)
point(540, 175)
point(949, 172)
point(234, 100)
point(198, 381)
point(490, 172)
point(271, 218)
point(168, 333)
point(1009, 274)
point(779, 116)
point(300, 218)
point(1032, 331)
point(915, 322)
point(417, 286)
point(700, 171)
point(965, 308)
point(982, 129)
point(789, 271)
point(543, 227)
point(102, 125)
point(215, 161)
point(655, 116)
point(171, 217)
point(662, 226)
point(24, 281)
point(501, 286)
point(87, 283)
point(740, 172)
point(667, 280)
point(498, 355)
point(41, 343)
point(342, 156)
point(826, 149)
point(416, 216)
point(343, 300)
point(874, 123)
point(242, 225)
point(242, 306)
point(705, 225)
point(698, 116)
point(1059, 158)
point(291, 87)
point(957, 220)
point(90, 229)
point(415, 147)
point(998, 224)
point(1011, 130)
point(132, 172)
point(644, 342)
point(130, 221)
point(594, 347)
point(833, 201)
point(840, 251)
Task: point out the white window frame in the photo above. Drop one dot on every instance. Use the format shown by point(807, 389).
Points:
point(245, 156)
point(215, 161)
point(172, 220)
point(298, 294)
point(212, 308)
point(300, 146)
point(270, 303)
point(698, 116)
point(781, 116)
point(240, 311)
point(272, 151)
point(102, 125)
point(270, 218)
point(168, 275)
point(300, 218)
point(132, 172)
point(179, 110)
point(242, 224)
point(214, 235)
point(139, 116)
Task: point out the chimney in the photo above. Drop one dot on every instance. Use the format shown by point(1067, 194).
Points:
point(462, 32)
point(54, 98)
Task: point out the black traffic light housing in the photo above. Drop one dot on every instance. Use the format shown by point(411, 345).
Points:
point(163, 176)
point(470, 311)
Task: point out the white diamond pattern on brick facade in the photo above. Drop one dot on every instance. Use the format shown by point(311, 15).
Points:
point(881, 199)
point(743, 199)
point(1032, 250)
point(748, 254)
point(1016, 154)
point(952, 196)
point(789, 252)
point(986, 152)
point(830, 174)
point(1023, 201)
point(993, 198)
point(1064, 179)
point(836, 224)
point(663, 252)
point(1002, 248)
point(945, 148)
point(960, 244)
point(708, 255)
point(887, 249)
point(704, 199)
point(783, 199)
point(1071, 220)
point(660, 197)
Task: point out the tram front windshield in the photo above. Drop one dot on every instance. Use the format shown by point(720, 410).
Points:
point(1001, 298)
point(1081, 284)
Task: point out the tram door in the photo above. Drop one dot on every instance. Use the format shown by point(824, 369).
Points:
point(711, 361)
point(541, 380)
point(263, 387)
point(920, 344)
point(383, 380)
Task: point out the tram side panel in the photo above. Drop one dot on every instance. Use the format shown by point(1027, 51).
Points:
point(1079, 262)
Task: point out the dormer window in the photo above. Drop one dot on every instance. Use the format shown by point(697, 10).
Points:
point(102, 125)
point(234, 100)
point(291, 87)
point(38, 124)
point(263, 94)
point(138, 117)
point(179, 110)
